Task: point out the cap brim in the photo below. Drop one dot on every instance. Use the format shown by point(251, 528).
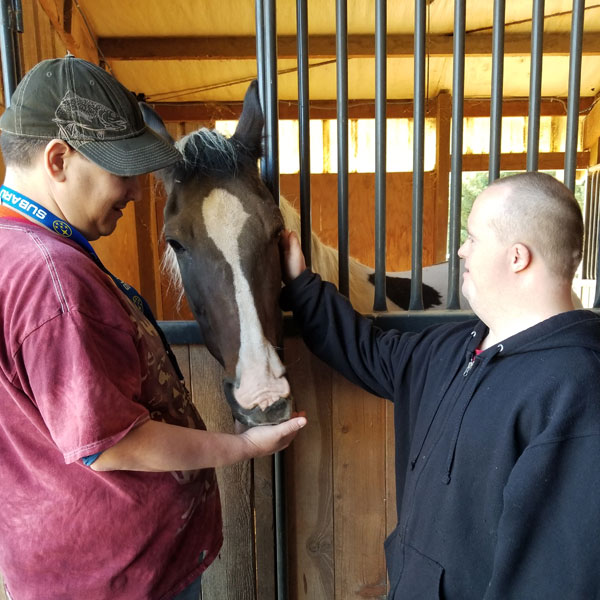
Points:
point(130, 156)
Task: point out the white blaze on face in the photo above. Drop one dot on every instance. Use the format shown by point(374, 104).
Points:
point(259, 372)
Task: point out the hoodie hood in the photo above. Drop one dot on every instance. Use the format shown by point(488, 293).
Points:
point(576, 328)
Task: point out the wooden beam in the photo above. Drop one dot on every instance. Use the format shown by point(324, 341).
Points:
point(71, 28)
point(517, 161)
point(323, 46)
point(357, 109)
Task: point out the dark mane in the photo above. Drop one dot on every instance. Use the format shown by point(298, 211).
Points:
point(207, 153)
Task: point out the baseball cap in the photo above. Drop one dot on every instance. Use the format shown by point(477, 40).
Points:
point(77, 101)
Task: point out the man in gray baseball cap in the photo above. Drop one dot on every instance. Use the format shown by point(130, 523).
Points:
point(108, 483)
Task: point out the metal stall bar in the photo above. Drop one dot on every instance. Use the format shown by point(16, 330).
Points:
point(270, 105)
point(458, 97)
point(379, 302)
point(573, 97)
point(416, 291)
point(267, 31)
point(260, 61)
point(341, 53)
point(535, 85)
point(304, 127)
point(496, 96)
point(10, 12)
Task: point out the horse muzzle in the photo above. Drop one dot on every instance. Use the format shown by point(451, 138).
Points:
point(279, 411)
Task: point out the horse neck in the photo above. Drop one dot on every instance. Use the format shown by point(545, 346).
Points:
point(324, 258)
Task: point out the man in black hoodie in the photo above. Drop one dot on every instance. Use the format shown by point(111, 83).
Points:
point(497, 420)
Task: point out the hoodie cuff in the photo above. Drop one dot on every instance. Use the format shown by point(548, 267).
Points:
point(290, 292)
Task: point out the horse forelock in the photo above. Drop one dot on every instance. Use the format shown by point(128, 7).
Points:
point(206, 152)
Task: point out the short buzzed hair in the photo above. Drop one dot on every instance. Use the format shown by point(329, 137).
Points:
point(544, 214)
point(20, 150)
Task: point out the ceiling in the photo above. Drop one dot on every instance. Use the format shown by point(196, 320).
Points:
point(204, 51)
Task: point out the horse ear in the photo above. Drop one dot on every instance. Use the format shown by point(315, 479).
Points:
point(250, 125)
point(153, 120)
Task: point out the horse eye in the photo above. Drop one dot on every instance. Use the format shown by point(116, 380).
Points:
point(175, 245)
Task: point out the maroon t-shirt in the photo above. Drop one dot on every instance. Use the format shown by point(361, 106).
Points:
point(80, 366)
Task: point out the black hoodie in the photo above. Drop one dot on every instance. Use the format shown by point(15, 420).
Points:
point(497, 454)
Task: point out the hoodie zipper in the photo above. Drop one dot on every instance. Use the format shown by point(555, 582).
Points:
point(470, 365)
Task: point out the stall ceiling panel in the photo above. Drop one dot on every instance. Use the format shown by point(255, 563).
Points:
point(182, 51)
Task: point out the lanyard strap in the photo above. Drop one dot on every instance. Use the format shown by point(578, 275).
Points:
point(44, 217)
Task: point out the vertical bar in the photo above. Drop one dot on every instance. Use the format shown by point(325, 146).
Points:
point(497, 83)
point(458, 97)
point(416, 290)
point(379, 302)
point(535, 85)
point(341, 53)
point(271, 178)
point(573, 97)
point(271, 107)
point(304, 128)
point(260, 61)
point(9, 57)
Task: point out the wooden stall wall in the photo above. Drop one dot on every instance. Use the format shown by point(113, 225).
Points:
point(340, 494)
point(361, 205)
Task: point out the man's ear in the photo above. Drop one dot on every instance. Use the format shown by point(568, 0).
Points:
point(520, 257)
point(56, 153)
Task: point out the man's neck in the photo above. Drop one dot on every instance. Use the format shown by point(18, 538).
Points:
point(27, 183)
point(523, 318)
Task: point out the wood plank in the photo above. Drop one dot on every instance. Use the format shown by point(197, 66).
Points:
point(517, 161)
point(231, 576)
point(323, 46)
point(442, 176)
point(72, 29)
point(391, 514)
point(309, 478)
point(357, 109)
point(264, 528)
point(147, 250)
point(359, 470)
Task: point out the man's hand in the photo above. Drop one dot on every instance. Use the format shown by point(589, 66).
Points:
point(292, 259)
point(268, 439)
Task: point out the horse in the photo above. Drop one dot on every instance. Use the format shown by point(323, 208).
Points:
point(222, 228)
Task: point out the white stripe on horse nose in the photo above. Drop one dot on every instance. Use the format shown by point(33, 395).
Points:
point(224, 218)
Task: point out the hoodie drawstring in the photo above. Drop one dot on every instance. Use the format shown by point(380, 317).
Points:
point(454, 442)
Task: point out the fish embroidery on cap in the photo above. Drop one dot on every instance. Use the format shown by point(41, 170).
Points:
point(81, 118)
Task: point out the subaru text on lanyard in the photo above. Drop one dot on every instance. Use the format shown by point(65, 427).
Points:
point(42, 215)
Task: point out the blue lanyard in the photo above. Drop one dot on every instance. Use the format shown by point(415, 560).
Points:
point(42, 215)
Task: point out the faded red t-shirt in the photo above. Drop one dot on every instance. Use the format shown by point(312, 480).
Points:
point(80, 366)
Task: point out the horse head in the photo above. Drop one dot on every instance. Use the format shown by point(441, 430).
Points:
point(222, 227)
